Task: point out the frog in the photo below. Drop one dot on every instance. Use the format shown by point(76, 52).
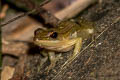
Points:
point(69, 34)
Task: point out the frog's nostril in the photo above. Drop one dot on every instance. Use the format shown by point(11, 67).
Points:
point(35, 39)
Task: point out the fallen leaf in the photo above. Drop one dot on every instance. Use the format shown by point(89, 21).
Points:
point(7, 73)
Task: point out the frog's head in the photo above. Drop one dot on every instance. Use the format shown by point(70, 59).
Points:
point(62, 31)
point(47, 38)
point(45, 34)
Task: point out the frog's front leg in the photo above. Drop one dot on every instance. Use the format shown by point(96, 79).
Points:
point(43, 60)
point(52, 59)
point(78, 44)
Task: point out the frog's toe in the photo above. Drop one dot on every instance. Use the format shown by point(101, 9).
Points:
point(59, 56)
point(51, 66)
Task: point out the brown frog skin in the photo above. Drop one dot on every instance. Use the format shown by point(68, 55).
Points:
point(66, 36)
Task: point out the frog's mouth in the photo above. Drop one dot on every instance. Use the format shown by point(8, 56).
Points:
point(46, 42)
point(56, 45)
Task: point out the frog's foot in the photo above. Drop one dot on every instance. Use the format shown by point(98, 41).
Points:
point(53, 60)
point(59, 56)
point(42, 62)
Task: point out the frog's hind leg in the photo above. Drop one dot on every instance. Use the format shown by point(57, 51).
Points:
point(77, 48)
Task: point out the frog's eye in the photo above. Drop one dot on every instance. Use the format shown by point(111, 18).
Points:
point(53, 34)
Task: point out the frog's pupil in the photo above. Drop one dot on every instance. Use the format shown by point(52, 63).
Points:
point(54, 35)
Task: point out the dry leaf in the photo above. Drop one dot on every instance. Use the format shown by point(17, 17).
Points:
point(7, 73)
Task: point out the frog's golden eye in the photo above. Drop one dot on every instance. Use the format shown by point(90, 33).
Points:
point(53, 34)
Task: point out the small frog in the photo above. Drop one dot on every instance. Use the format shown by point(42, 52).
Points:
point(66, 36)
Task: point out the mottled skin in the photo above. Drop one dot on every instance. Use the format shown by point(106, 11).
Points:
point(67, 35)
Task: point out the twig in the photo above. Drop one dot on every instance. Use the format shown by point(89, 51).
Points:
point(17, 17)
point(24, 14)
point(73, 9)
point(46, 15)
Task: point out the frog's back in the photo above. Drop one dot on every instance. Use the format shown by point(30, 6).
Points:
point(71, 29)
point(66, 28)
point(86, 28)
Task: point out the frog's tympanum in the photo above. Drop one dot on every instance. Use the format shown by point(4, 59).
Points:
point(66, 36)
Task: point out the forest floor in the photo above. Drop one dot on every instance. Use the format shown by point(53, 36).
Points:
point(100, 61)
